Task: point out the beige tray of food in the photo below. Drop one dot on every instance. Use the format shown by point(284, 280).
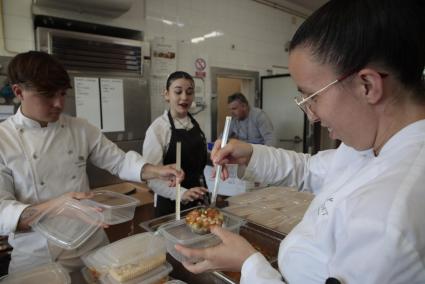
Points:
point(277, 208)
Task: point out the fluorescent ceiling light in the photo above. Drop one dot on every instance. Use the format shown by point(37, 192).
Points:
point(205, 36)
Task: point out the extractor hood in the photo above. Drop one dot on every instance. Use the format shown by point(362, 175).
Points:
point(111, 8)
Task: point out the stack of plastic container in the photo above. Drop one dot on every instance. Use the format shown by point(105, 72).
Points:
point(136, 259)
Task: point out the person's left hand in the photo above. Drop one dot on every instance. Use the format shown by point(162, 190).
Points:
point(227, 256)
point(194, 193)
point(166, 172)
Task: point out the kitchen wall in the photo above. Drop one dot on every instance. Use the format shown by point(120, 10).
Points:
point(241, 34)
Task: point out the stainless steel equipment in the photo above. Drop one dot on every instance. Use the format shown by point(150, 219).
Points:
point(103, 57)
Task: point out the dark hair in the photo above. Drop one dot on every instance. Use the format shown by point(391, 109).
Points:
point(38, 70)
point(349, 34)
point(178, 75)
point(237, 97)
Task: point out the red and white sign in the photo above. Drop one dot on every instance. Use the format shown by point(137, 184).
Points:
point(200, 65)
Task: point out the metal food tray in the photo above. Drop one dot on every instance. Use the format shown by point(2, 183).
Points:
point(262, 238)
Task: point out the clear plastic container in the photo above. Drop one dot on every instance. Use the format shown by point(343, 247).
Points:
point(243, 199)
point(117, 207)
point(136, 249)
point(52, 273)
point(68, 224)
point(178, 232)
point(242, 210)
point(88, 276)
point(287, 225)
point(157, 276)
point(268, 217)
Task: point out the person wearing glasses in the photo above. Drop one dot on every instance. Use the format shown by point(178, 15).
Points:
point(359, 68)
point(249, 124)
point(43, 157)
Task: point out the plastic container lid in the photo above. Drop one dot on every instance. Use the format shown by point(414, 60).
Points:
point(268, 217)
point(68, 224)
point(117, 207)
point(242, 210)
point(151, 277)
point(52, 273)
point(110, 199)
point(178, 232)
point(129, 250)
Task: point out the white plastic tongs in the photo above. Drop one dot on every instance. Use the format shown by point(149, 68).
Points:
point(218, 168)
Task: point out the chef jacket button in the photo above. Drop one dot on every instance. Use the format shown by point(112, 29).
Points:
point(34, 156)
point(21, 130)
point(70, 152)
point(62, 126)
point(73, 177)
point(81, 158)
point(42, 183)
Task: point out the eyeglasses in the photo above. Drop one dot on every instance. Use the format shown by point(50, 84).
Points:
point(304, 103)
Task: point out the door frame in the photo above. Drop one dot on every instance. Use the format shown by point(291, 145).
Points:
point(235, 74)
point(311, 135)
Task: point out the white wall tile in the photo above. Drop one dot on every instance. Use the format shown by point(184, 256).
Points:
point(18, 27)
point(17, 46)
point(17, 7)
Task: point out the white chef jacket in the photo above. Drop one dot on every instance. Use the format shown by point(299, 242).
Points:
point(38, 164)
point(367, 221)
point(155, 147)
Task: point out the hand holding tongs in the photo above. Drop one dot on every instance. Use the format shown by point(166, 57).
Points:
point(218, 168)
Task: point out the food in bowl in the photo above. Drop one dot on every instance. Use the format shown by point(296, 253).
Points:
point(200, 220)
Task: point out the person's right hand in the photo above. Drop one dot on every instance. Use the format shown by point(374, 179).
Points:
point(164, 172)
point(234, 152)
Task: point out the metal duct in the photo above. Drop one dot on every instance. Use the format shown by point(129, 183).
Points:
point(88, 52)
point(111, 8)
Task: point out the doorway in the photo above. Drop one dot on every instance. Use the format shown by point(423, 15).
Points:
point(225, 82)
point(288, 121)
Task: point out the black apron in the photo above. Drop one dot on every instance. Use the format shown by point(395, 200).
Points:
point(193, 161)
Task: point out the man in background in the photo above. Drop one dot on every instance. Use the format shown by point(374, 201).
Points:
point(249, 124)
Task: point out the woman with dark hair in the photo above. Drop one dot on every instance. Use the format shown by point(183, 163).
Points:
point(359, 68)
point(159, 147)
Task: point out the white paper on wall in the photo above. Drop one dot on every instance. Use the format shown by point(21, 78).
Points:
point(87, 99)
point(163, 57)
point(112, 93)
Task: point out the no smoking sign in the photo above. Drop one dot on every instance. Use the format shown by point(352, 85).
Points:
point(200, 65)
